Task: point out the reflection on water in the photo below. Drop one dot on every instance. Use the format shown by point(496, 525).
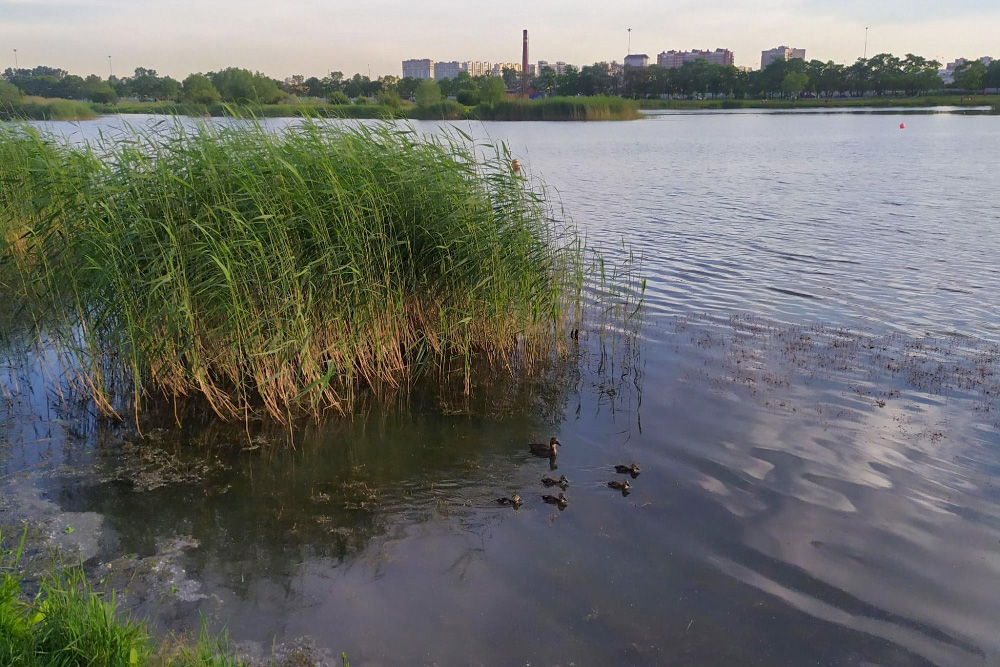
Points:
point(813, 402)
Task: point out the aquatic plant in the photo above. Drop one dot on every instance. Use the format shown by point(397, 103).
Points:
point(39, 108)
point(279, 271)
point(599, 107)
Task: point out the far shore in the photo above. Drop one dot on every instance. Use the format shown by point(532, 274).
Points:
point(597, 108)
point(826, 102)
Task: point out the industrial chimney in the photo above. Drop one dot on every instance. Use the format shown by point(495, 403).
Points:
point(524, 67)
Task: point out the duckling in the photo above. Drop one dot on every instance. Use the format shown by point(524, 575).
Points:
point(514, 501)
point(548, 451)
point(621, 486)
point(562, 482)
point(559, 500)
point(632, 469)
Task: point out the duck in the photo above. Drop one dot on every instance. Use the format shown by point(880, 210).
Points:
point(548, 451)
point(556, 500)
point(621, 486)
point(562, 482)
point(631, 469)
point(513, 501)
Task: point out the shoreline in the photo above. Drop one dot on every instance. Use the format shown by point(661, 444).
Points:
point(555, 109)
point(925, 101)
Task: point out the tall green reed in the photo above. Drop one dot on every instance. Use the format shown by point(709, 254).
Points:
point(279, 271)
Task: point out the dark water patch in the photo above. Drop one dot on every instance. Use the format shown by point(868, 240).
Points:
point(790, 292)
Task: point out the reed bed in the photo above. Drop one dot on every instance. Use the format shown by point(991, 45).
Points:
point(41, 108)
point(595, 108)
point(278, 272)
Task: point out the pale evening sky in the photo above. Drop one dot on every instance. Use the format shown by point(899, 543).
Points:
point(313, 36)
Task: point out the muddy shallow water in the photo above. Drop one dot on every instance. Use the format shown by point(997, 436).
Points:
point(813, 400)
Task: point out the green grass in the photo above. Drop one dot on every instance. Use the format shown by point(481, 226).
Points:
point(39, 108)
point(854, 102)
point(67, 623)
point(300, 109)
point(561, 109)
point(278, 272)
point(443, 110)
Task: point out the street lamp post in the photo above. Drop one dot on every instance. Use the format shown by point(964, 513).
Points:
point(866, 42)
point(16, 66)
point(110, 69)
point(629, 50)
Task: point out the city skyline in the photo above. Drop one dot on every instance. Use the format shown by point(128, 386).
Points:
point(180, 36)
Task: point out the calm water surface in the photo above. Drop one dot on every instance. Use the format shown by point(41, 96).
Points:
point(813, 399)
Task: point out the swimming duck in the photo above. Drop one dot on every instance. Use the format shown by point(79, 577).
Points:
point(556, 500)
point(513, 501)
point(621, 486)
point(562, 482)
point(632, 469)
point(548, 451)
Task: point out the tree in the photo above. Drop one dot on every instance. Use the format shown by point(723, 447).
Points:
point(992, 78)
point(296, 85)
point(338, 97)
point(390, 98)
point(71, 87)
point(9, 94)
point(198, 89)
point(886, 73)
point(407, 87)
point(794, 83)
point(315, 87)
point(511, 77)
point(919, 74)
point(547, 80)
point(428, 93)
point(38, 86)
point(568, 82)
point(100, 91)
point(970, 75)
point(468, 96)
point(492, 91)
point(357, 86)
point(859, 77)
point(640, 81)
point(599, 79)
point(243, 86)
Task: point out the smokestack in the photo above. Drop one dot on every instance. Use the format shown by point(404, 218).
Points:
point(524, 66)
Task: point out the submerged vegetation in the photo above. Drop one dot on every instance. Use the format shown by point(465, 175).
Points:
point(279, 272)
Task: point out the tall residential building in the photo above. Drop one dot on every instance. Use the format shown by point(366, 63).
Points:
point(498, 68)
point(673, 59)
point(637, 60)
point(780, 53)
point(559, 66)
point(418, 69)
point(947, 74)
point(447, 70)
point(478, 68)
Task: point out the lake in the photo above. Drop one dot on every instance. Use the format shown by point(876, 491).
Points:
point(813, 397)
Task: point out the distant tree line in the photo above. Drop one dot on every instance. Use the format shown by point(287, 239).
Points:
point(229, 85)
point(883, 74)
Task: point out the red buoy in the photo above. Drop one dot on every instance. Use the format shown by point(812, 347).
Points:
point(902, 126)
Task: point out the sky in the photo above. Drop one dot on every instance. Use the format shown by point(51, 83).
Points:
point(313, 37)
